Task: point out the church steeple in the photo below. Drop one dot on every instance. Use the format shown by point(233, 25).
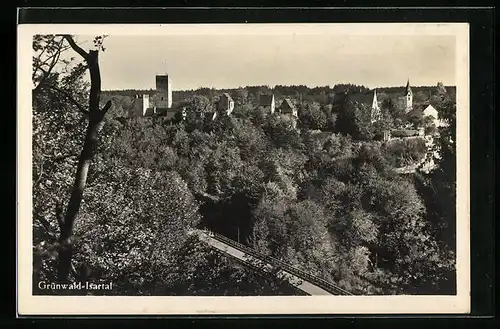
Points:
point(375, 100)
point(375, 110)
point(408, 88)
point(408, 97)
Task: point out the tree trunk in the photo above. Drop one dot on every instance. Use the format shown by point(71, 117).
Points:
point(74, 202)
point(96, 117)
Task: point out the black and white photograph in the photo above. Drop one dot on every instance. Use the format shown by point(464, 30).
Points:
point(293, 167)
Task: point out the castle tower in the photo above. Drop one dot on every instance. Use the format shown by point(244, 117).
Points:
point(164, 91)
point(140, 106)
point(408, 97)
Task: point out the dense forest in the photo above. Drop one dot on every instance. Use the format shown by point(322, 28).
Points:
point(323, 198)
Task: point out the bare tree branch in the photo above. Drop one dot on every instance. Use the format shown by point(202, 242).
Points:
point(55, 59)
point(68, 95)
point(106, 107)
point(75, 47)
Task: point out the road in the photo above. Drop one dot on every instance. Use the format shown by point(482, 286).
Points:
point(301, 284)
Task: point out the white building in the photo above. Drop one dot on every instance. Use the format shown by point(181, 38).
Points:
point(408, 97)
point(430, 111)
point(225, 104)
point(375, 113)
point(140, 106)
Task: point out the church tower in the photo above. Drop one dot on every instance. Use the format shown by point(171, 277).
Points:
point(163, 91)
point(408, 97)
point(375, 114)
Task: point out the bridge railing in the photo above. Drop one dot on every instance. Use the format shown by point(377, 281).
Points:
point(288, 268)
point(262, 272)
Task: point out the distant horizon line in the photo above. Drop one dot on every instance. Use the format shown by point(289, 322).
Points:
point(280, 85)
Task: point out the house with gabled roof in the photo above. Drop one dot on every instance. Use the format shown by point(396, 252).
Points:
point(225, 104)
point(426, 110)
point(430, 111)
point(288, 108)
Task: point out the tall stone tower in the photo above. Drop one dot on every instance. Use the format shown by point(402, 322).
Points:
point(163, 91)
point(408, 97)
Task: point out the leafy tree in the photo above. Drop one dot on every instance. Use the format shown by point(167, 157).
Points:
point(406, 151)
point(281, 132)
point(259, 116)
point(354, 119)
point(211, 274)
point(349, 88)
point(270, 233)
point(416, 120)
point(48, 49)
point(243, 111)
point(241, 96)
point(251, 140)
point(331, 117)
point(310, 247)
point(142, 220)
point(438, 189)
point(394, 111)
point(329, 204)
point(441, 90)
point(311, 116)
point(222, 166)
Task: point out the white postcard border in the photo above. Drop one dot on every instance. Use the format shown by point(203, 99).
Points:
point(95, 305)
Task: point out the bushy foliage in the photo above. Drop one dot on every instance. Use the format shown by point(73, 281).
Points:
point(404, 152)
point(325, 202)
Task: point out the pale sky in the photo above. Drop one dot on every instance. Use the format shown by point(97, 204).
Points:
point(230, 61)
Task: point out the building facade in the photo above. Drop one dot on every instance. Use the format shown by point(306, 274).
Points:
point(288, 108)
point(140, 106)
point(225, 104)
point(408, 97)
point(163, 95)
point(430, 111)
point(159, 102)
